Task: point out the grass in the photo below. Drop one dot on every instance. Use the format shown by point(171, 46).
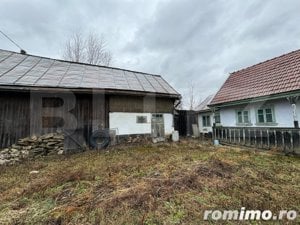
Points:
point(153, 184)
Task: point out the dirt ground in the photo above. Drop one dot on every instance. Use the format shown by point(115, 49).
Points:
point(168, 183)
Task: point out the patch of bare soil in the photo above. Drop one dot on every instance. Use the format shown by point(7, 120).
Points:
point(215, 168)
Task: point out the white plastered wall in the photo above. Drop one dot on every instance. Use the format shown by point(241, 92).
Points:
point(126, 123)
point(282, 111)
point(200, 122)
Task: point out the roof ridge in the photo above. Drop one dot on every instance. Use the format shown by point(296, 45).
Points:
point(81, 63)
point(265, 61)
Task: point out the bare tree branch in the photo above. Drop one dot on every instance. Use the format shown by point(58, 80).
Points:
point(192, 99)
point(91, 49)
point(74, 49)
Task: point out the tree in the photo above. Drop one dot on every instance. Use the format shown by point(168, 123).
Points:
point(193, 99)
point(90, 49)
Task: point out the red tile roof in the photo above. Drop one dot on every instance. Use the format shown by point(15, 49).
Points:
point(277, 75)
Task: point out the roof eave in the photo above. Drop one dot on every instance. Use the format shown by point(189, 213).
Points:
point(86, 91)
point(204, 111)
point(256, 99)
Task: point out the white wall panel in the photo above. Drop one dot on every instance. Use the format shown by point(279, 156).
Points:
point(126, 123)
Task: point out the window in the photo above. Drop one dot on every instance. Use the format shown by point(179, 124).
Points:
point(141, 119)
point(206, 121)
point(260, 116)
point(217, 117)
point(242, 117)
point(265, 115)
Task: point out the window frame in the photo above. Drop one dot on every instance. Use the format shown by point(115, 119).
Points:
point(264, 114)
point(242, 122)
point(145, 119)
point(209, 120)
point(217, 115)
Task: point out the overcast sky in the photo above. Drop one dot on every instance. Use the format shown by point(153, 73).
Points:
point(183, 40)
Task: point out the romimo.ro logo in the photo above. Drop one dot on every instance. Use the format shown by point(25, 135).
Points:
point(244, 214)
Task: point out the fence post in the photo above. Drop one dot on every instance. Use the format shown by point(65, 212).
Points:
point(268, 138)
point(261, 138)
point(234, 135)
point(229, 135)
point(291, 138)
point(282, 137)
point(255, 141)
point(275, 136)
point(244, 136)
point(214, 134)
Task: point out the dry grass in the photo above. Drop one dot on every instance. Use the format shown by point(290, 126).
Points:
point(153, 184)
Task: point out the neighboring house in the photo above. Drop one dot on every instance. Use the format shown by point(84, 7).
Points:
point(262, 95)
point(205, 116)
point(39, 95)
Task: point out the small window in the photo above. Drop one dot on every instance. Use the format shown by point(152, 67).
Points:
point(242, 117)
point(260, 115)
point(206, 121)
point(265, 115)
point(141, 119)
point(217, 117)
point(269, 115)
point(246, 117)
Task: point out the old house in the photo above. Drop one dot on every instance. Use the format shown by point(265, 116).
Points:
point(259, 105)
point(205, 116)
point(40, 95)
point(262, 95)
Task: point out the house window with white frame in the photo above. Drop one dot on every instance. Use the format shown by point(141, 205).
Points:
point(206, 121)
point(243, 117)
point(265, 115)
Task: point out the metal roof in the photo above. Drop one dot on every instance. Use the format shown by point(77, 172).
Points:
point(274, 76)
point(203, 106)
point(34, 71)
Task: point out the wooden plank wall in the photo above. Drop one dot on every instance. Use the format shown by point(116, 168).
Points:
point(20, 117)
point(14, 118)
point(183, 121)
point(140, 104)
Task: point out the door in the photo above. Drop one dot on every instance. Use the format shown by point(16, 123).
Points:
point(157, 127)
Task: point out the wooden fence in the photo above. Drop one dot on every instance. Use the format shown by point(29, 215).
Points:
point(286, 139)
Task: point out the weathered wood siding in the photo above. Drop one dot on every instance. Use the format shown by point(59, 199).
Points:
point(14, 118)
point(183, 121)
point(140, 104)
point(23, 114)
